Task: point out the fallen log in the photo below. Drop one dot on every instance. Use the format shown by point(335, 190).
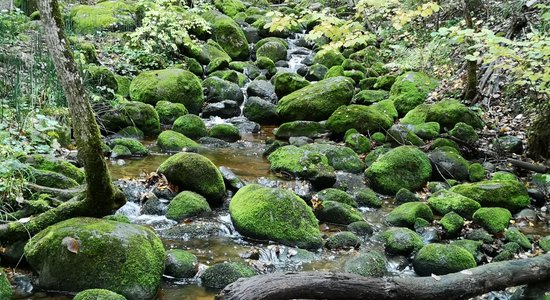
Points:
point(336, 286)
point(529, 166)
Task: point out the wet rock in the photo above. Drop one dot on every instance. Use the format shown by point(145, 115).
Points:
point(449, 163)
point(369, 264)
point(132, 132)
point(343, 240)
point(180, 263)
point(440, 259)
point(192, 126)
point(464, 132)
point(338, 213)
point(131, 256)
point(340, 158)
point(514, 235)
point(508, 144)
point(223, 109)
point(358, 143)
point(299, 141)
point(480, 235)
point(367, 197)
point(244, 125)
point(405, 215)
point(213, 142)
point(404, 196)
point(401, 135)
point(286, 83)
point(154, 207)
point(231, 180)
point(22, 287)
point(360, 228)
point(187, 204)
point(172, 141)
point(226, 132)
point(195, 230)
point(302, 188)
point(222, 274)
point(262, 89)
point(332, 194)
point(401, 241)
point(132, 113)
point(260, 110)
point(218, 90)
point(299, 128)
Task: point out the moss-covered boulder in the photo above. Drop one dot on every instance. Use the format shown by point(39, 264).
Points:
point(401, 135)
point(338, 213)
point(187, 204)
point(329, 58)
point(544, 243)
point(509, 194)
point(340, 158)
point(440, 259)
point(343, 240)
point(477, 172)
point(194, 172)
point(332, 194)
point(410, 90)
point(513, 235)
point(404, 196)
point(218, 90)
point(180, 263)
point(358, 143)
point(226, 132)
point(449, 163)
point(317, 101)
point(286, 83)
point(228, 34)
point(222, 274)
point(83, 253)
point(444, 202)
point(368, 97)
point(107, 15)
point(464, 132)
point(98, 294)
point(452, 223)
point(5, 287)
point(230, 7)
point(50, 179)
point(135, 146)
point(100, 77)
point(51, 163)
point(309, 129)
point(405, 215)
point(168, 112)
point(274, 214)
point(192, 126)
point(362, 118)
point(402, 167)
point(334, 71)
point(401, 241)
point(172, 141)
point(272, 50)
point(367, 197)
point(261, 111)
point(174, 85)
point(493, 219)
point(360, 228)
point(302, 163)
point(449, 112)
point(132, 113)
point(369, 264)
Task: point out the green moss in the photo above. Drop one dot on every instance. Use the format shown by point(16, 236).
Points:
point(98, 294)
point(298, 162)
point(5, 286)
point(334, 71)
point(343, 240)
point(503, 256)
point(265, 63)
point(329, 58)
point(360, 228)
point(514, 235)
point(180, 263)
point(404, 196)
point(452, 223)
point(118, 218)
point(120, 151)
point(512, 247)
point(132, 113)
point(131, 132)
point(174, 85)
point(480, 235)
point(317, 72)
point(464, 132)
point(375, 154)
point(191, 126)
point(107, 15)
point(440, 259)
point(317, 101)
point(544, 243)
point(230, 7)
point(426, 131)
point(222, 274)
point(338, 213)
point(363, 118)
point(405, 215)
point(194, 172)
point(133, 145)
point(340, 158)
point(168, 112)
point(271, 39)
point(449, 112)
point(502, 175)
point(209, 51)
point(505, 193)
point(443, 142)
point(445, 202)
point(230, 75)
point(367, 197)
point(369, 264)
point(123, 85)
point(309, 129)
point(50, 179)
point(469, 245)
point(410, 90)
point(358, 143)
point(417, 115)
point(402, 167)
point(228, 34)
point(378, 137)
point(220, 90)
point(98, 76)
point(401, 135)
point(50, 163)
point(385, 82)
point(401, 241)
point(172, 141)
point(356, 75)
point(449, 163)
point(274, 214)
point(187, 204)
point(493, 219)
point(332, 194)
point(272, 50)
point(477, 172)
point(368, 97)
point(226, 132)
point(124, 258)
point(367, 83)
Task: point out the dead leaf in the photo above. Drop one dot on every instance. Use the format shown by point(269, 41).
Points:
point(73, 245)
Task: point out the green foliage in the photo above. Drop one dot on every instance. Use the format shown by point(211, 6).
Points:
point(12, 25)
point(167, 27)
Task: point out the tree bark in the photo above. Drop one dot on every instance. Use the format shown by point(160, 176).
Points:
point(101, 197)
point(471, 66)
point(340, 286)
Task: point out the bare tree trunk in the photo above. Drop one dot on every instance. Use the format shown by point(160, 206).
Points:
point(101, 198)
point(471, 66)
point(343, 286)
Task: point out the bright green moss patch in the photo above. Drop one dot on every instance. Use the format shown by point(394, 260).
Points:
point(410, 90)
point(440, 259)
point(98, 294)
point(516, 236)
point(107, 15)
point(509, 194)
point(226, 132)
point(452, 223)
point(187, 204)
point(338, 213)
point(343, 240)
point(445, 201)
point(493, 219)
point(360, 117)
point(405, 215)
point(191, 126)
point(168, 112)
point(332, 194)
point(172, 141)
point(135, 146)
point(180, 263)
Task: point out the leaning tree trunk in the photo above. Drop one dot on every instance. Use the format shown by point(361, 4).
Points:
point(344, 286)
point(471, 65)
point(101, 197)
point(539, 133)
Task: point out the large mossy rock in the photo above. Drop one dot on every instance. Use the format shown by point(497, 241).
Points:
point(180, 263)
point(228, 34)
point(107, 15)
point(309, 129)
point(168, 112)
point(194, 172)
point(187, 204)
point(272, 50)
point(317, 101)
point(192, 126)
point(54, 164)
point(406, 214)
point(286, 83)
point(449, 163)
point(218, 90)
point(274, 214)
point(338, 213)
point(401, 241)
point(359, 117)
point(449, 112)
point(444, 202)
point(98, 294)
point(402, 167)
point(174, 85)
point(132, 113)
point(329, 58)
point(493, 219)
point(83, 253)
point(172, 141)
point(410, 90)
point(509, 194)
point(222, 274)
point(49, 179)
point(440, 259)
point(340, 158)
point(261, 111)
